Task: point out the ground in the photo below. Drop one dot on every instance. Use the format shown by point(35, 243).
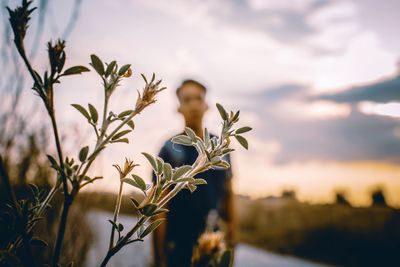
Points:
point(139, 254)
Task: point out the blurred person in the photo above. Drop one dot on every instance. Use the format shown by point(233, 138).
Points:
point(174, 240)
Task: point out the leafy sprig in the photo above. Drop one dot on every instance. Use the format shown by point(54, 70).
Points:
point(170, 181)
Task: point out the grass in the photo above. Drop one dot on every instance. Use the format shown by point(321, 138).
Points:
point(335, 234)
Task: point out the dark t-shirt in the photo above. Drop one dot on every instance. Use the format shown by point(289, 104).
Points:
point(187, 215)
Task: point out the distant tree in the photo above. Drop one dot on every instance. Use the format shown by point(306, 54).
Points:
point(378, 197)
point(341, 198)
point(289, 194)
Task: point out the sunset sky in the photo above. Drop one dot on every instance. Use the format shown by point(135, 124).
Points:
point(313, 78)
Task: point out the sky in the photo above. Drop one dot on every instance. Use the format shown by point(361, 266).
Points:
point(317, 80)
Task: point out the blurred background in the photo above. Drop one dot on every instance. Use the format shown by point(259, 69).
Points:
point(317, 80)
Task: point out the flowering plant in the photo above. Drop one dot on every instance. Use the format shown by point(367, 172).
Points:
point(72, 172)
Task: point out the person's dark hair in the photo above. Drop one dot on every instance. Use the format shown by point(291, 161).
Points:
point(189, 81)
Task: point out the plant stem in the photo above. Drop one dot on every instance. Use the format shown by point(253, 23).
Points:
point(111, 252)
point(104, 123)
point(116, 212)
point(61, 230)
point(67, 198)
point(102, 143)
point(59, 152)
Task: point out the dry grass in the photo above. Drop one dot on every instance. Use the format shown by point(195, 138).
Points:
point(334, 234)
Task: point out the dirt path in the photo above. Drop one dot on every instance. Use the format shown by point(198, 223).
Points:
point(139, 254)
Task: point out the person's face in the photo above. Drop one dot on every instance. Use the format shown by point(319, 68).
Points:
point(192, 103)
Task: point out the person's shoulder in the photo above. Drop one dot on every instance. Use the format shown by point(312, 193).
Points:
point(169, 147)
point(168, 142)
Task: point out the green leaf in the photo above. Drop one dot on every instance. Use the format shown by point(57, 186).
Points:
point(83, 153)
point(61, 63)
point(242, 141)
point(123, 69)
point(160, 165)
point(120, 227)
point(159, 211)
point(144, 78)
point(120, 134)
point(223, 164)
point(125, 113)
point(82, 110)
point(222, 112)
point(227, 150)
point(131, 124)
point(243, 130)
point(122, 140)
point(236, 116)
point(38, 76)
point(135, 202)
point(110, 68)
point(190, 133)
point(140, 231)
point(186, 179)
point(182, 140)
point(167, 170)
point(141, 183)
point(52, 160)
point(181, 171)
point(199, 181)
point(75, 70)
point(93, 113)
point(206, 137)
point(114, 224)
point(151, 227)
point(226, 259)
point(131, 182)
point(97, 64)
point(201, 145)
point(151, 159)
point(149, 209)
point(191, 188)
point(216, 159)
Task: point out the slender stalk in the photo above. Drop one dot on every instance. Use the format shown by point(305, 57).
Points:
point(116, 212)
point(104, 142)
point(111, 252)
point(60, 234)
point(104, 123)
point(48, 198)
point(172, 193)
point(61, 230)
point(68, 198)
point(31, 71)
point(59, 152)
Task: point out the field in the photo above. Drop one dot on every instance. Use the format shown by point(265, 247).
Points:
point(334, 234)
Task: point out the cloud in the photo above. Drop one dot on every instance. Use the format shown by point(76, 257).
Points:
point(338, 131)
point(384, 90)
point(381, 19)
